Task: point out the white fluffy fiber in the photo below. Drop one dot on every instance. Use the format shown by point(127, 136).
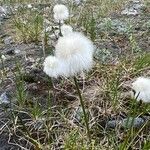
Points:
point(61, 12)
point(76, 51)
point(52, 66)
point(66, 29)
point(73, 54)
point(142, 88)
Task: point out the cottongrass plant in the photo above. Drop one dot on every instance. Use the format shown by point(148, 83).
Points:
point(66, 29)
point(141, 88)
point(61, 13)
point(73, 55)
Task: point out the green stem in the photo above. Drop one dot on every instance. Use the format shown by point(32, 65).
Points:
point(83, 108)
point(59, 24)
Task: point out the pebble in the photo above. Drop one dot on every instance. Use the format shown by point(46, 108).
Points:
point(4, 98)
point(17, 51)
point(3, 57)
point(130, 11)
point(8, 40)
point(126, 123)
point(78, 115)
point(112, 123)
point(29, 6)
point(3, 10)
point(133, 9)
point(133, 122)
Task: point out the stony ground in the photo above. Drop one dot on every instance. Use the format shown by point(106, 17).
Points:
point(122, 35)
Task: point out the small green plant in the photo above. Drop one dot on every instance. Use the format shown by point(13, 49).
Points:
point(142, 61)
point(112, 84)
point(20, 86)
point(29, 27)
point(75, 140)
point(134, 44)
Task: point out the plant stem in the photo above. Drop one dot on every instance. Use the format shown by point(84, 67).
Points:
point(59, 24)
point(83, 108)
point(44, 40)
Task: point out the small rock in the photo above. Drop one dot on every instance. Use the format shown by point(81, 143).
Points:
point(8, 40)
point(113, 123)
point(130, 11)
point(17, 51)
point(77, 2)
point(48, 29)
point(3, 10)
point(4, 98)
point(29, 6)
point(133, 9)
point(126, 123)
point(103, 55)
point(3, 57)
point(112, 26)
point(138, 6)
point(132, 122)
point(78, 115)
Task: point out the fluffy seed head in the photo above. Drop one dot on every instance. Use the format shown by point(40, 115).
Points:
point(142, 89)
point(51, 66)
point(61, 12)
point(66, 29)
point(76, 52)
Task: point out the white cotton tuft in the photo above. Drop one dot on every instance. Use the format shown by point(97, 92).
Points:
point(76, 52)
point(51, 66)
point(142, 89)
point(61, 12)
point(66, 29)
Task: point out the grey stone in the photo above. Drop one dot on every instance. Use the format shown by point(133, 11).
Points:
point(130, 11)
point(78, 115)
point(113, 123)
point(3, 11)
point(17, 51)
point(107, 55)
point(4, 98)
point(133, 9)
point(133, 122)
point(126, 123)
point(111, 25)
point(8, 40)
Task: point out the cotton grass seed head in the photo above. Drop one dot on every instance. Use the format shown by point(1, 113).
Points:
point(66, 29)
point(73, 54)
point(76, 51)
point(51, 66)
point(142, 89)
point(61, 12)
